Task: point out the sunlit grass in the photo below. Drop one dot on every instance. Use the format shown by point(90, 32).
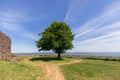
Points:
point(92, 70)
point(31, 67)
point(19, 71)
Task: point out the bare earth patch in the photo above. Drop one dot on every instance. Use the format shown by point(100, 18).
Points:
point(52, 71)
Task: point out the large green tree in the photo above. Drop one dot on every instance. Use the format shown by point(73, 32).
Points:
point(57, 37)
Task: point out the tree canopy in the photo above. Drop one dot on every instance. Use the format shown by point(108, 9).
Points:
point(57, 37)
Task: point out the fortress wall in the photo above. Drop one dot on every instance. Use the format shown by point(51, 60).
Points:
point(5, 47)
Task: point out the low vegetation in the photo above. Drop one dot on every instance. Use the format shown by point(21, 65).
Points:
point(92, 70)
point(23, 70)
point(52, 59)
point(33, 68)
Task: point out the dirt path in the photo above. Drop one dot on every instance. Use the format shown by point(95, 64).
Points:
point(52, 71)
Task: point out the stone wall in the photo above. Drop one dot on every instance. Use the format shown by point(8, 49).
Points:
point(5, 47)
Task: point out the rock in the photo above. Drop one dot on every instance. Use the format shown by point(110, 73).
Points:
point(16, 59)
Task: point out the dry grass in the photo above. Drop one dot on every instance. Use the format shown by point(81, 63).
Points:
point(22, 70)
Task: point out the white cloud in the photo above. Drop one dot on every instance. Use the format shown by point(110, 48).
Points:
point(105, 29)
point(13, 21)
point(102, 39)
point(9, 26)
point(31, 36)
point(73, 7)
point(106, 43)
point(105, 19)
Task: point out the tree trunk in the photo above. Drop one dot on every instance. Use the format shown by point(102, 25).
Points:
point(59, 56)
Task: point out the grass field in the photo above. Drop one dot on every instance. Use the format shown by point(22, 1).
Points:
point(92, 70)
point(23, 70)
point(54, 60)
point(34, 67)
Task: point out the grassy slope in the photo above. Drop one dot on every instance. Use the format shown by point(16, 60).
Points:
point(85, 70)
point(92, 70)
point(23, 70)
point(26, 69)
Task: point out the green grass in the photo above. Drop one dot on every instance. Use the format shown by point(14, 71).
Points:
point(30, 68)
point(64, 60)
point(19, 71)
point(54, 60)
point(26, 69)
point(92, 70)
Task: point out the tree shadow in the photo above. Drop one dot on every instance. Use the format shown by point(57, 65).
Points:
point(46, 59)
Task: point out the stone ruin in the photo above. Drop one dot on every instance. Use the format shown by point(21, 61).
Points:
point(5, 47)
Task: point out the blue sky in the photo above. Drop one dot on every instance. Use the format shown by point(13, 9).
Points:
point(95, 23)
